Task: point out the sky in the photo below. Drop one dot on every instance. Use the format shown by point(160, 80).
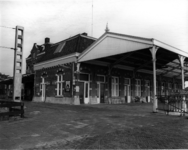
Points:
point(165, 20)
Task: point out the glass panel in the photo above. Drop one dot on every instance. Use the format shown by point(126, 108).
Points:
point(125, 90)
point(139, 82)
point(112, 80)
point(59, 77)
point(100, 78)
point(127, 81)
point(117, 90)
point(84, 77)
point(86, 91)
point(59, 88)
point(97, 90)
point(139, 90)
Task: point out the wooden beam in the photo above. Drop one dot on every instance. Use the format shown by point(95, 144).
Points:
point(171, 70)
point(157, 58)
point(121, 59)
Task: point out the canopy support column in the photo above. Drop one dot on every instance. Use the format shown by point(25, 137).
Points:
point(153, 51)
point(181, 59)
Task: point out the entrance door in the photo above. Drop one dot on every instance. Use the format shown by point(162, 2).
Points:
point(43, 88)
point(100, 92)
point(81, 92)
point(86, 92)
point(127, 90)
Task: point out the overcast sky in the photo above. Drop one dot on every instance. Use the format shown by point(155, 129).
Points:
point(165, 20)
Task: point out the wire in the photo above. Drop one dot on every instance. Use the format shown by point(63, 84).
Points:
point(7, 27)
point(7, 47)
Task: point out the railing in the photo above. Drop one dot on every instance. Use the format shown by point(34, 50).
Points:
point(10, 108)
point(173, 103)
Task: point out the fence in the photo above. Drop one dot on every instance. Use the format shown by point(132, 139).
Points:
point(173, 103)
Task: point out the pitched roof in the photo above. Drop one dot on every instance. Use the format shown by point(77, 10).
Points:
point(71, 45)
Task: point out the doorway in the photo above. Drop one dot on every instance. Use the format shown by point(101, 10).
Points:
point(84, 92)
point(43, 89)
point(100, 92)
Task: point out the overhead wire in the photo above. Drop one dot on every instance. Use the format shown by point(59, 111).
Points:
point(7, 27)
point(7, 47)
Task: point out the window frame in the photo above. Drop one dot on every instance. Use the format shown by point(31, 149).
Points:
point(129, 87)
point(85, 80)
point(138, 88)
point(101, 76)
point(115, 86)
point(59, 85)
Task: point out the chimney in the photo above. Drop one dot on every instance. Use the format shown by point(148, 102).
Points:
point(84, 34)
point(46, 40)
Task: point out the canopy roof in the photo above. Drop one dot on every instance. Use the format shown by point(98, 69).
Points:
point(133, 53)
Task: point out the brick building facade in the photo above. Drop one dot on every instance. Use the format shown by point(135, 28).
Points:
point(115, 68)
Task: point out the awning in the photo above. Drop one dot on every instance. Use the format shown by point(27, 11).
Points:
point(133, 53)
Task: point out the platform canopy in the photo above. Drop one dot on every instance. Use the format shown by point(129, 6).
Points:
point(133, 53)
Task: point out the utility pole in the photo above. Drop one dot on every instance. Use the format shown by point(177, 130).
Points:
point(18, 63)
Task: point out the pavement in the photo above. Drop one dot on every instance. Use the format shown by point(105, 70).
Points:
point(48, 125)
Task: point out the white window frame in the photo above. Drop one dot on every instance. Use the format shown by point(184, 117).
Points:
point(128, 86)
point(85, 80)
point(101, 76)
point(115, 86)
point(59, 85)
point(138, 88)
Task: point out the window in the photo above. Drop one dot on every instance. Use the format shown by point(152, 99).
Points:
point(84, 77)
point(60, 85)
point(42, 83)
point(147, 87)
point(100, 78)
point(138, 87)
point(115, 86)
point(60, 47)
point(126, 87)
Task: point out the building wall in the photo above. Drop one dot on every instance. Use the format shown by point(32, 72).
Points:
point(76, 96)
point(94, 70)
point(50, 76)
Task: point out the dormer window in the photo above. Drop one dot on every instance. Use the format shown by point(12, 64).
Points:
point(60, 47)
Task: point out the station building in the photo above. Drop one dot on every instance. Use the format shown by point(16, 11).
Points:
point(114, 68)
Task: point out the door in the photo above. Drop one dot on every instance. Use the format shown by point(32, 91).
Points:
point(43, 91)
point(101, 92)
point(98, 93)
point(86, 92)
point(81, 92)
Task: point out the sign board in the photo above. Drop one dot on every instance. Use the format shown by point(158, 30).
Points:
point(67, 86)
point(77, 88)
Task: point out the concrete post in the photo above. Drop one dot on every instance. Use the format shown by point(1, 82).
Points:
point(18, 63)
point(153, 51)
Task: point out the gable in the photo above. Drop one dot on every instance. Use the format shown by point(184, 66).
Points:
point(112, 45)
